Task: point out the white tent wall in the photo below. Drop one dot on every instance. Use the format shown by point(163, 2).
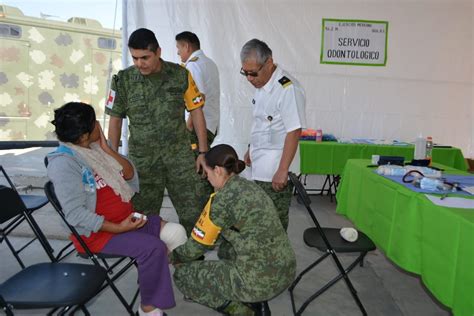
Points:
point(426, 86)
point(471, 148)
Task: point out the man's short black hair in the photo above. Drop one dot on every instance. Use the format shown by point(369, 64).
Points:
point(190, 38)
point(143, 39)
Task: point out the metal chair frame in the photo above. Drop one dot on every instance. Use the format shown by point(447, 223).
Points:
point(362, 246)
point(97, 259)
point(17, 216)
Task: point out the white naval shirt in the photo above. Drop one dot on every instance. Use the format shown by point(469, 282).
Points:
point(278, 108)
point(206, 75)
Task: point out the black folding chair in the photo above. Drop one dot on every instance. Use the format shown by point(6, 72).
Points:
point(52, 285)
point(13, 212)
point(329, 241)
point(69, 247)
point(30, 203)
point(98, 259)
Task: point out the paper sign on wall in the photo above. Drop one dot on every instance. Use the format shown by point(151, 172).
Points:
point(354, 42)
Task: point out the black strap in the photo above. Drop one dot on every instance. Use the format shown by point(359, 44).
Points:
point(221, 309)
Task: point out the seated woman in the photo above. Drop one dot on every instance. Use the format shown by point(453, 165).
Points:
point(259, 261)
point(94, 185)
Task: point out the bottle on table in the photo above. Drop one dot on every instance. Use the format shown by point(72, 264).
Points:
point(319, 135)
point(420, 147)
point(429, 149)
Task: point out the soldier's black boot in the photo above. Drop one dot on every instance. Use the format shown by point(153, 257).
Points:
point(222, 309)
point(261, 308)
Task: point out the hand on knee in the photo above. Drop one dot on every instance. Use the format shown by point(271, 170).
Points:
point(173, 235)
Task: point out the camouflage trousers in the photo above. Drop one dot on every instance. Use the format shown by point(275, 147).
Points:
point(281, 200)
point(226, 251)
point(194, 140)
point(176, 172)
point(213, 284)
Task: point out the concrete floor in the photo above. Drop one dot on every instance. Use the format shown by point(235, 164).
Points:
point(383, 287)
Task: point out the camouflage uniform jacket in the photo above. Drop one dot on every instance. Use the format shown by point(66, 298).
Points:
point(263, 255)
point(154, 105)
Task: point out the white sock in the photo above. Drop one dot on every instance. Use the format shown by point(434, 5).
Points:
point(173, 235)
point(155, 312)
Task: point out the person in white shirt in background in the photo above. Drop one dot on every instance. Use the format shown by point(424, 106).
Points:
point(279, 116)
point(206, 76)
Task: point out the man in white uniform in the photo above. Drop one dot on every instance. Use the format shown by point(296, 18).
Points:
point(279, 117)
point(206, 77)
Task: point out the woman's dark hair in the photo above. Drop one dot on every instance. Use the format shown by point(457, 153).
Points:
point(224, 156)
point(72, 120)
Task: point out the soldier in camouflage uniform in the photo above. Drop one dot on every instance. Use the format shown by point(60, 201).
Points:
point(241, 216)
point(153, 94)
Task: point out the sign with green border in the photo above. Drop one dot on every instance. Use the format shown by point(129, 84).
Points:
point(354, 42)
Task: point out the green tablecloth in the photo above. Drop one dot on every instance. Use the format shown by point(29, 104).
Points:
point(433, 241)
point(330, 157)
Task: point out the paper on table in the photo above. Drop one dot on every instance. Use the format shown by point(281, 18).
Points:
point(455, 202)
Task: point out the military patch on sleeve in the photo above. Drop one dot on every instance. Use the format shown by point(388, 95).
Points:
point(192, 97)
point(285, 82)
point(110, 100)
point(195, 58)
point(205, 231)
point(197, 100)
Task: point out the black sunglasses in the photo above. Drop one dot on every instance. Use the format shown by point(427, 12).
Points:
point(246, 73)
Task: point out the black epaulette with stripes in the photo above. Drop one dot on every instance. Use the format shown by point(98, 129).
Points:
point(285, 82)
